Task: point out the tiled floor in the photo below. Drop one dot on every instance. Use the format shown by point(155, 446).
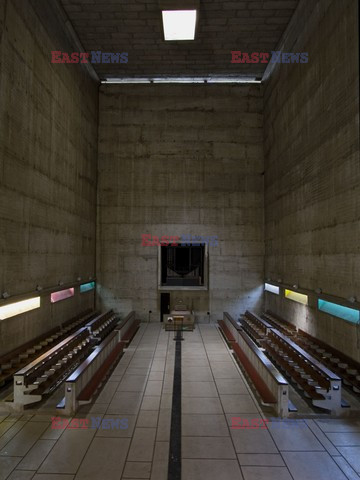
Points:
point(213, 391)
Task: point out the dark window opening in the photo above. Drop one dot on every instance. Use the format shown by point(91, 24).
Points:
point(182, 266)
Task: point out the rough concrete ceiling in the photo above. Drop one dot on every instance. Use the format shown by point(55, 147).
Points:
point(135, 26)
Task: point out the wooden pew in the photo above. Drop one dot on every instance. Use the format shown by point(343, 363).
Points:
point(14, 360)
point(284, 327)
point(100, 323)
point(128, 327)
point(43, 374)
point(269, 383)
point(319, 383)
point(81, 385)
point(229, 328)
point(278, 321)
point(346, 367)
point(256, 327)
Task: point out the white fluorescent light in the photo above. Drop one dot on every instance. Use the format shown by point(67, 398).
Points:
point(130, 80)
point(269, 287)
point(13, 309)
point(179, 24)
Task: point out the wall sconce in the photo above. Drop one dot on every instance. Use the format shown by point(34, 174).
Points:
point(296, 286)
point(318, 291)
point(39, 288)
point(61, 283)
point(352, 299)
point(5, 295)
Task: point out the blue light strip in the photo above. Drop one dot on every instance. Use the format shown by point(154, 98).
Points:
point(346, 313)
point(86, 287)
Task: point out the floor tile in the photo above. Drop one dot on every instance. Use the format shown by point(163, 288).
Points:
point(132, 383)
point(199, 469)
point(107, 392)
point(204, 426)
point(159, 470)
point(150, 403)
point(196, 374)
point(352, 455)
point(199, 389)
point(21, 475)
point(124, 403)
point(228, 386)
point(36, 455)
point(142, 445)
point(294, 438)
point(207, 447)
point(266, 473)
point(261, 459)
point(137, 470)
point(10, 432)
point(68, 452)
point(253, 441)
point(21, 443)
point(344, 439)
point(193, 405)
point(7, 465)
point(53, 477)
point(147, 418)
point(105, 459)
point(312, 465)
point(238, 403)
point(154, 387)
point(339, 425)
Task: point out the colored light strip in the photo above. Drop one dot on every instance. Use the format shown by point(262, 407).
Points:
point(350, 314)
point(272, 288)
point(296, 297)
point(17, 308)
point(61, 295)
point(86, 287)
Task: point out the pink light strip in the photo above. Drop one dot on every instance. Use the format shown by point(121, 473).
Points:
point(61, 295)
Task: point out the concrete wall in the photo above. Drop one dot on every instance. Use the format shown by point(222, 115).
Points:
point(173, 160)
point(312, 169)
point(48, 151)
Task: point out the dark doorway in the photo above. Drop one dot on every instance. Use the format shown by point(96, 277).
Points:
point(164, 304)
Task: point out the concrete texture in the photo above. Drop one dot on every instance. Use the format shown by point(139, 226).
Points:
point(312, 169)
point(48, 152)
point(136, 28)
point(173, 160)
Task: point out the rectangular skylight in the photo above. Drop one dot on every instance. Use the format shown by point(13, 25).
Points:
point(16, 308)
point(346, 313)
point(179, 24)
point(272, 288)
point(85, 287)
point(296, 297)
point(61, 295)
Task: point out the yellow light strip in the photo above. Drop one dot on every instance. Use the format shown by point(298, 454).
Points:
point(17, 308)
point(296, 297)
